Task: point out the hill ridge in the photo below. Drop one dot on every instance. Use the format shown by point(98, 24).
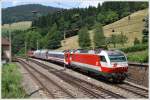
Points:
point(24, 12)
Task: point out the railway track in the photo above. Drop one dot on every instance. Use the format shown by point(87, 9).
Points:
point(138, 64)
point(143, 93)
point(42, 78)
point(93, 90)
point(134, 89)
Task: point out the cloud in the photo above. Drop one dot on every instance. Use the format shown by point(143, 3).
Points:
point(55, 3)
point(94, 3)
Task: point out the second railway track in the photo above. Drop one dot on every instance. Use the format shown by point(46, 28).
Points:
point(134, 89)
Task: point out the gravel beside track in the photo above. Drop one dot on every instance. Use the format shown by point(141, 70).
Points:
point(33, 90)
point(138, 75)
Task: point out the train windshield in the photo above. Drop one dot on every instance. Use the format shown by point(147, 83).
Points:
point(117, 58)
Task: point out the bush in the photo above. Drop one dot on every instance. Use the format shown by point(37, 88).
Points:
point(134, 48)
point(142, 58)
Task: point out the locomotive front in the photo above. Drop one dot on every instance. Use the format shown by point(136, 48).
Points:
point(115, 64)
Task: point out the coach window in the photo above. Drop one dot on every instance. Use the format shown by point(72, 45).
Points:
point(103, 59)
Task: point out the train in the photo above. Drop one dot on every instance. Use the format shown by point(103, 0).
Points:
point(111, 64)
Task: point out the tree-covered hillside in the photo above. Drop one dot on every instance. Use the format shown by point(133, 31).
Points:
point(24, 12)
point(69, 22)
point(48, 31)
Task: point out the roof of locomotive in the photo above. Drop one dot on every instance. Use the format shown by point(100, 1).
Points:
point(55, 52)
point(99, 51)
point(116, 52)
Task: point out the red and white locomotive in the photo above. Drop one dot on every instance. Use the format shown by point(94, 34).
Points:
point(111, 64)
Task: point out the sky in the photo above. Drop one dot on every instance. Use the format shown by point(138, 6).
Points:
point(54, 3)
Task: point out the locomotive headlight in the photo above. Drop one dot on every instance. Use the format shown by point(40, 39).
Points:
point(114, 64)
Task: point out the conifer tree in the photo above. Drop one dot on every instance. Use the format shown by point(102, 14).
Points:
point(84, 39)
point(99, 38)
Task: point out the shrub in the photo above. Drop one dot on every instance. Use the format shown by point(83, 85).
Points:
point(142, 57)
point(138, 47)
point(11, 82)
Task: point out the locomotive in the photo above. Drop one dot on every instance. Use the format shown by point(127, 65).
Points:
point(111, 64)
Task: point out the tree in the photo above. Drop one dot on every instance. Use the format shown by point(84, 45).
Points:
point(18, 40)
point(99, 38)
point(31, 38)
point(101, 18)
point(122, 39)
point(114, 40)
point(53, 38)
point(110, 16)
point(145, 31)
point(84, 39)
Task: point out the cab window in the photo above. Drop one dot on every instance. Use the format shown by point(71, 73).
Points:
point(103, 59)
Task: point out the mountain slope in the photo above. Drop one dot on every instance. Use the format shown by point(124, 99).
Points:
point(131, 28)
point(24, 12)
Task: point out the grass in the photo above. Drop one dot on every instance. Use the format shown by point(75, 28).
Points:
point(131, 29)
point(11, 82)
point(140, 56)
point(17, 26)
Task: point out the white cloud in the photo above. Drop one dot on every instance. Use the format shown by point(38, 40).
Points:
point(81, 3)
point(90, 3)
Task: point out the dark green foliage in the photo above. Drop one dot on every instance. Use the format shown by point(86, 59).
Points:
point(107, 17)
point(136, 41)
point(99, 38)
point(138, 58)
point(135, 48)
point(145, 31)
point(18, 40)
point(84, 39)
point(53, 38)
point(31, 38)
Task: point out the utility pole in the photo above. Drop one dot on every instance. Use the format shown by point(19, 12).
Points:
point(25, 49)
point(37, 44)
point(35, 15)
point(10, 59)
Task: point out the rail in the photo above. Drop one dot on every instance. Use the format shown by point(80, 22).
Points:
point(138, 64)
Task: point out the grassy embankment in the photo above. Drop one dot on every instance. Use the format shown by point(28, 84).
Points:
point(11, 82)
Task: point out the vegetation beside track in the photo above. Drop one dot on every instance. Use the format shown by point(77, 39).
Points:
point(11, 82)
point(139, 56)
